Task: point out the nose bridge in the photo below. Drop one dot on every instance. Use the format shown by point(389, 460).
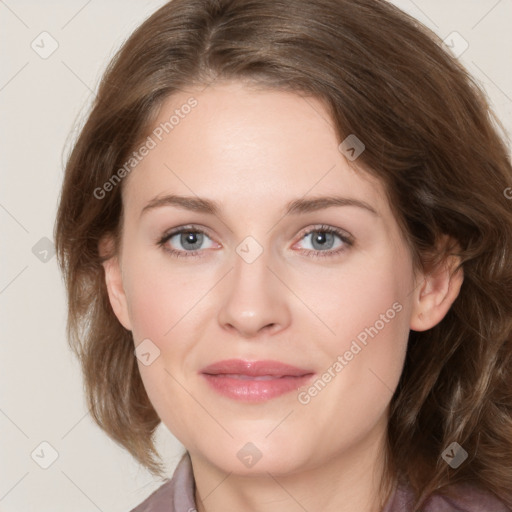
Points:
point(255, 299)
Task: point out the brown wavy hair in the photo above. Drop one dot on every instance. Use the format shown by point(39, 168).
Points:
point(430, 137)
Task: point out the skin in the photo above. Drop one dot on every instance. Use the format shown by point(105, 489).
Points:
point(253, 151)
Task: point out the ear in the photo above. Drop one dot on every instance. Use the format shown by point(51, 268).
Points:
point(436, 293)
point(114, 282)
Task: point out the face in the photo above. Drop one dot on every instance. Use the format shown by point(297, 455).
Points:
point(259, 272)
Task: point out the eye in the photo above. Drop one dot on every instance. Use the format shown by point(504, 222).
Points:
point(189, 241)
point(322, 240)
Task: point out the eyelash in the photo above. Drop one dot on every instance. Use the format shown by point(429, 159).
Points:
point(317, 254)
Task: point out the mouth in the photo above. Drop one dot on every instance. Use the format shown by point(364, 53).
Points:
point(254, 381)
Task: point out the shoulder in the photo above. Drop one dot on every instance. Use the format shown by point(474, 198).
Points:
point(466, 498)
point(157, 500)
point(174, 495)
point(459, 498)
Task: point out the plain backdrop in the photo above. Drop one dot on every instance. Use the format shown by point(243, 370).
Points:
point(42, 101)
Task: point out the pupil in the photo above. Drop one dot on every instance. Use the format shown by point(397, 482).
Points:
point(323, 239)
point(192, 239)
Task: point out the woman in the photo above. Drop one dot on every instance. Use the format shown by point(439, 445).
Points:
point(286, 234)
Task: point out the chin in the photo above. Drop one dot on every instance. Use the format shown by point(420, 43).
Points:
point(254, 459)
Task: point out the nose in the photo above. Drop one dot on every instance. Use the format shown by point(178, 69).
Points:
point(254, 300)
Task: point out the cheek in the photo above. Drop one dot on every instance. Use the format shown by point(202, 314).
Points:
point(367, 299)
point(150, 311)
point(365, 360)
point(160, 309)
point(160, 297)
point(370, 316)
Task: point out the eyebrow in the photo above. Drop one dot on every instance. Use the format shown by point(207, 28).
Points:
point(294, 207)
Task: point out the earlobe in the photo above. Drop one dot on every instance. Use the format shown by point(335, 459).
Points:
point(115, 288)
point(436, 294)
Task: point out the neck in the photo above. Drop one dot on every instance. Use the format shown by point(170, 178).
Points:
point(348, 481)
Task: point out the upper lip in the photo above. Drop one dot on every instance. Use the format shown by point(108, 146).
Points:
point(254, 368)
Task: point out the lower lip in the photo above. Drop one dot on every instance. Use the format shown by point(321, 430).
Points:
point(250, 390)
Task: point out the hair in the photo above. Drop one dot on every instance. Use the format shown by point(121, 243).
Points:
point(430, 137)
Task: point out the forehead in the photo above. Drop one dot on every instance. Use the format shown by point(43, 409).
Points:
point(246, 147)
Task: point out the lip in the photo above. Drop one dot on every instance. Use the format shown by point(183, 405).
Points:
point(254, 381)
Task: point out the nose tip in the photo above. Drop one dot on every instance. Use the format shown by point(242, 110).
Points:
point(252, 327)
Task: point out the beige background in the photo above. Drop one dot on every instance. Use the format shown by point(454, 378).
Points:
point(41, 101)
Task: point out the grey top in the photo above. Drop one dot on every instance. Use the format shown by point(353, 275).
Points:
point(177, 495)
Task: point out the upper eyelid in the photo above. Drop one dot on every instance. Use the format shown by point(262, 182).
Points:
point(194, 229)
